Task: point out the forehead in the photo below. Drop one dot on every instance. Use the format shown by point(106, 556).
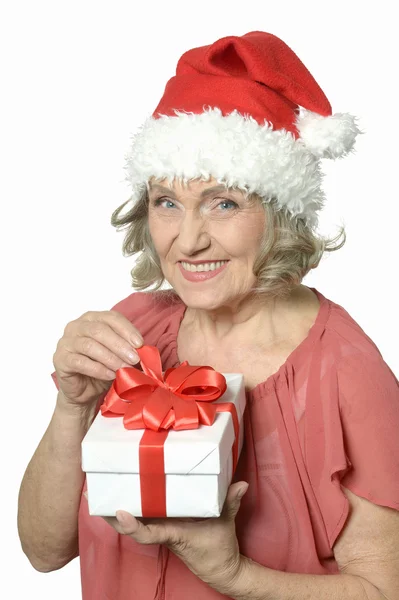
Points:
point(194, 186)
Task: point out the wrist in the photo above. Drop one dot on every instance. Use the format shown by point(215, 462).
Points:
point(239, 585)
point(84, 413)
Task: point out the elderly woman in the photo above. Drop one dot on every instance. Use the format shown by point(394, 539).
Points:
point(226, 190)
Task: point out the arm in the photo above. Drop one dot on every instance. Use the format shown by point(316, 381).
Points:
point(92, 348)
point(367, 553)
point(50, 490)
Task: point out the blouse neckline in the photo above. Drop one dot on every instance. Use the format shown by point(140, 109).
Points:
point(294, 359)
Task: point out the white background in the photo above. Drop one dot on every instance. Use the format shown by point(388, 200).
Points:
point(77, 78)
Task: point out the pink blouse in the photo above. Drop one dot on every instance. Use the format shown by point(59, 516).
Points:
point(329, 415)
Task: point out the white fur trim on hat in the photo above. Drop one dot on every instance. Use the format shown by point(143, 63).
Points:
point(327, 137)
point(235, 150)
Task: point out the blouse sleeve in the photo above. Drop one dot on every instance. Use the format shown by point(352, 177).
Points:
point(369, 409)
point(352, 438)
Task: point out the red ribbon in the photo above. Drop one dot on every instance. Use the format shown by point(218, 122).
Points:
point(179, 399)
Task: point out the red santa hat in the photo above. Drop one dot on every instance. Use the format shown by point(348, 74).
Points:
point(246, 111)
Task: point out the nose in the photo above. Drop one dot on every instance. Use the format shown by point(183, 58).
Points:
point(193, 236)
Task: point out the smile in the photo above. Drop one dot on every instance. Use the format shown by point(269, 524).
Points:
point(202, 271)
point(202, 267)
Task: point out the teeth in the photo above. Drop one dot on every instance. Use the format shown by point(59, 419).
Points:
point(203, 267)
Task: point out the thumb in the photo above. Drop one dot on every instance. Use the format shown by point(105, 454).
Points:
point(233, 500)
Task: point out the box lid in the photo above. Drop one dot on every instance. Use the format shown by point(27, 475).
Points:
point(110, 448)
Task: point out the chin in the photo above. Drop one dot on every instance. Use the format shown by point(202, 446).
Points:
point(202, 299)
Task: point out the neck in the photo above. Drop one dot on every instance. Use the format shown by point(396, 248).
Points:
point(246, 316)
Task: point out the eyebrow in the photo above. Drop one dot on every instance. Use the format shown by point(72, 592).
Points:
point(213, 190)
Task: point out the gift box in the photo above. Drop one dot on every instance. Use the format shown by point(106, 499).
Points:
point(175, 466)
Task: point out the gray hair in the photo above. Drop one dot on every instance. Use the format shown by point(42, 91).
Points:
point(288, 250)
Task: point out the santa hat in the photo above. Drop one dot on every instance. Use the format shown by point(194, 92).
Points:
point(246, 111)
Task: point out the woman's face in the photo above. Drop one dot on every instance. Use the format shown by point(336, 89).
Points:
point(207, 238)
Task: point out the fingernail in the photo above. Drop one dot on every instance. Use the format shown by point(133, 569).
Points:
point(137, 340)
point(242, 491)
point(133, 357)
point(121, 517)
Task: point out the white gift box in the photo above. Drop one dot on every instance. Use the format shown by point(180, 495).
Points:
point(198, 463)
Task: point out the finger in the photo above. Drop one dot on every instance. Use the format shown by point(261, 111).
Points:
point(92, 349)
point(114, 523)
point(105, 335)
point(78, 363)
point(233, 500)
point(153, 533)
point(119, 323)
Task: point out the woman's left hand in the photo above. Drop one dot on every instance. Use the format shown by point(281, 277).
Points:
point(208, 547)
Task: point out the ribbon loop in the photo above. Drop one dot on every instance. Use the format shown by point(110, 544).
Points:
point(151, 400)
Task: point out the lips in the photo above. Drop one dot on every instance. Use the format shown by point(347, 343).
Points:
point(199, 276)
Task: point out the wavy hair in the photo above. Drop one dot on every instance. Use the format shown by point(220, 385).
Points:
point(288, 251)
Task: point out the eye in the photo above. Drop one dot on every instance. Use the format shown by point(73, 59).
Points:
point(164, 203)
point(227, 205)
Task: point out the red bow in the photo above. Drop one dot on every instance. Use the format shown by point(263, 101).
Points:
point(180, 399)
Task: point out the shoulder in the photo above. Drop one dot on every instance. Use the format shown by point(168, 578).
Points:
point(359, 364)
point(347, 343)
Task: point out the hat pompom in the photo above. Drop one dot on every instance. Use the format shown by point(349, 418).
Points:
point(327, 137)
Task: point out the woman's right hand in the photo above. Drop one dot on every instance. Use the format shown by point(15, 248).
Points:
point(92, 348)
